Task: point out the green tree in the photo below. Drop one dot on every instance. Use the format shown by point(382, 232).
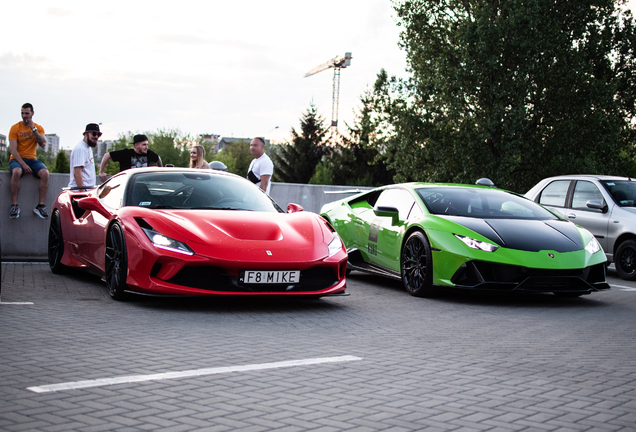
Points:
point(296, 162)
point(356, 161)
point(62, 164)
point(513, 90)
point(236, 156)
point(323, 175)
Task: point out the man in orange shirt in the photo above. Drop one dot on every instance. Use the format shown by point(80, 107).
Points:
point(24, 138)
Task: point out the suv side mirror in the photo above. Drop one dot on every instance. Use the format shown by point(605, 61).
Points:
point(593, 204)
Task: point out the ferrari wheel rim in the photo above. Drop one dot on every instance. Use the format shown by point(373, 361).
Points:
point(115, 255)
point(55, 240)
point(414, 264)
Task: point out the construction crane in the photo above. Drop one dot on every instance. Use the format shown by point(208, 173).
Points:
point(337, 63)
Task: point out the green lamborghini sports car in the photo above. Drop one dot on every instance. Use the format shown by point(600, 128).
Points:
point(437, 237)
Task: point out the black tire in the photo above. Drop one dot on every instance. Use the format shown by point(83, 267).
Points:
point(417, 266)
point(625, 260)
point(116, 262)
point(56, 244)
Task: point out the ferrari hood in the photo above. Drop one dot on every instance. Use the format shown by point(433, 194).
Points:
point(525, 235)
point(301, 230)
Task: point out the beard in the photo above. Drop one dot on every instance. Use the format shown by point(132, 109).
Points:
point(92, 144)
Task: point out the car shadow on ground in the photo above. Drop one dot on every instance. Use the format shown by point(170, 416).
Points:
point(485, 298)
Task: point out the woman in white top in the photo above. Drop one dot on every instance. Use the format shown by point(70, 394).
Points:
point(197, 158)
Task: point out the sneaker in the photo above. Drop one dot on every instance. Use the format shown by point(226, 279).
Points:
point(40, 210)
point(14, 213)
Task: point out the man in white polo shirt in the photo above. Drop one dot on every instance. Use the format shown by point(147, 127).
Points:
point(261, 168)
point(83, 160)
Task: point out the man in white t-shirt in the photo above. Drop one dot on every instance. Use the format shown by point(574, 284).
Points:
point(261, 168)
point(83, 160)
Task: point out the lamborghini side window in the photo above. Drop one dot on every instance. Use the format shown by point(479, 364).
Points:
point(112, 192)
point(585, 191)
point(398, 198)
point(555, 193)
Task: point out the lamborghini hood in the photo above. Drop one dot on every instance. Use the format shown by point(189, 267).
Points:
point(525, 235)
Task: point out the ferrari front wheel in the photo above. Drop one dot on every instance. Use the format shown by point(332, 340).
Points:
point(417, 266)
point(625, 260)
point(56, 244)
point(116, 263)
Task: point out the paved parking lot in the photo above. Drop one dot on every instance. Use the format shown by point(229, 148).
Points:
point(386, 361)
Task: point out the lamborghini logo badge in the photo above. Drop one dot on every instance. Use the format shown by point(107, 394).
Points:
point(551, 255)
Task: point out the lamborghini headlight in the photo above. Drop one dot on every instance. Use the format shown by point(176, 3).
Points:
point(162, 242)
point(335, 245)
point(593, 246)
point(477, 244)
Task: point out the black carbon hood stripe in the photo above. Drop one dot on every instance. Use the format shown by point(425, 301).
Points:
point(525, 235)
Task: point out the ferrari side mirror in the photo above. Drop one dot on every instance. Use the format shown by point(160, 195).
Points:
point(391, 212)
point(294, 208)
point(93, 204)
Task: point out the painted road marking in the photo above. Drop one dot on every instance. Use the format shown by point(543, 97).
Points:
point(186, 374)
point(17, 303)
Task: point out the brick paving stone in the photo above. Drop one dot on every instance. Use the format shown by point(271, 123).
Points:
point(495, 363)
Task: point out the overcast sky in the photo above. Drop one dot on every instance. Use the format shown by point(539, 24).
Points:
point(233, 68)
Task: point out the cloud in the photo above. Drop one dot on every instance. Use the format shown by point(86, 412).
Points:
point(59, 12)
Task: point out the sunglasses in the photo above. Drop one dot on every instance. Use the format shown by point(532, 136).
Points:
point(96, 134)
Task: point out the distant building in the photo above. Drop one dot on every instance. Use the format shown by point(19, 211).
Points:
point(210, 139)
point(52, 143)
point(3, 144)
point(102, 148)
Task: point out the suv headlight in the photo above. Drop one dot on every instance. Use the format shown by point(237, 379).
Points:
point(160, 241)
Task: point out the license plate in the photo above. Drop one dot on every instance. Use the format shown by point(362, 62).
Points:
point(270, 277)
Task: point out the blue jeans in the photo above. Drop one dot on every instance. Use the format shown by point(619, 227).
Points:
point(35, 164)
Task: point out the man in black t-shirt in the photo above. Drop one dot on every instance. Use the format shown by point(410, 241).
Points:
point(136, 157)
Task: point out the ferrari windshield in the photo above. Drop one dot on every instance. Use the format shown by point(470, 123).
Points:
point(481, 203)
point(623, 191)
point(193, 190)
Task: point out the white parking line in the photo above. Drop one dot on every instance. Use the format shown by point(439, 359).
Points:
point(184, 374)
point(16, 303)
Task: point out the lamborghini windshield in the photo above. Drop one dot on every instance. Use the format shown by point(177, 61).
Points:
point(481, 203)
point(193, 190)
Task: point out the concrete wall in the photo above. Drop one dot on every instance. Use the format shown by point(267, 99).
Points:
point(26, 238)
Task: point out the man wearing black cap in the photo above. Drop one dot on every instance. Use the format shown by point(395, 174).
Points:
point(136, 157)
point(83, 160)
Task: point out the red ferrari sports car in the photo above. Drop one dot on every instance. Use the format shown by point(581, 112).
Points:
point(174, 231)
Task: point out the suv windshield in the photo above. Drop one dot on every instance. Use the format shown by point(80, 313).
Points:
point(188, 190)
point(623, 191)
point(481, 203)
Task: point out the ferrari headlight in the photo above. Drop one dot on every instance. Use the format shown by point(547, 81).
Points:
point(477, 244)
point(162, 242)
point(593, 246)
point(335, 245)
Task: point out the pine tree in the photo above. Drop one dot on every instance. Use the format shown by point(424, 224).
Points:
point(355, 163)
point(62, 164)
point(296, 162)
